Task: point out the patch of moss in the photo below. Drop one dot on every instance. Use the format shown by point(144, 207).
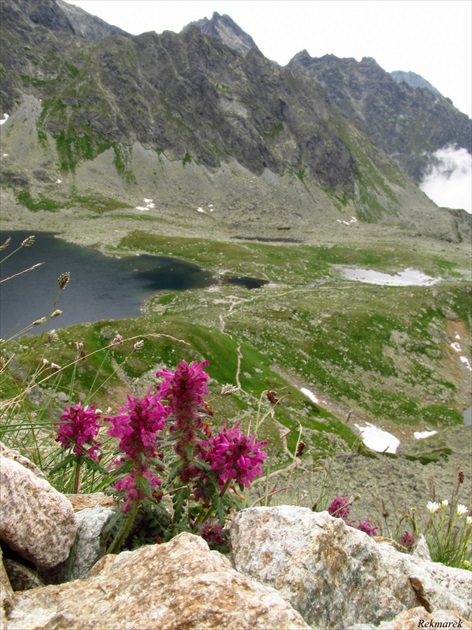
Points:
point(42, 202)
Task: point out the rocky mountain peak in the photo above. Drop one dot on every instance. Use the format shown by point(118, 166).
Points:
point(390, 112)
point(413, 80)
point(56, 16)
point(224, 28)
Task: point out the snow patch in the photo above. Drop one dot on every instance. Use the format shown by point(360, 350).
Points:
point(457, 347)
point(309, 394)
point(377, 439)
point(149, 205)
point(350, 222)
point(420, 435)
point(408, 277)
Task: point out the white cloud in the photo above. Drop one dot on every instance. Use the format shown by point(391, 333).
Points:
point(449, 180)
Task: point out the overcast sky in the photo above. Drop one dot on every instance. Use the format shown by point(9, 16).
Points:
point(430, 37)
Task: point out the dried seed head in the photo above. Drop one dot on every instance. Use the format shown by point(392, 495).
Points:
point(63, 280)
point(139, 344)
point(42, 320)
point(117, 339)
point(226, 390)
point(460, 477)
point(56, 313)
point(300, 449)
point(27, 242)
point(55, 367)
point(5, 244)
point(272, 397)
point(52, 336)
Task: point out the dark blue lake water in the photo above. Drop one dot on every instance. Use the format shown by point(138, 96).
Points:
point(100, 287)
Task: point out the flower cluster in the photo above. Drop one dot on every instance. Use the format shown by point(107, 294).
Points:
point(407, 540)
point(79, 427)
point(447, 534)
point(137, 425)
point(340, 507)
point(165, 431)
point(365, 526)
point(184, 391)
point(212, 532)
point(233, 456)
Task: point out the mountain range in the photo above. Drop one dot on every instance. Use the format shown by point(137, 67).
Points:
point(203, 114)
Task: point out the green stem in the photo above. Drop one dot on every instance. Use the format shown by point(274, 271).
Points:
point(204, 515)
point(78, 464)
point(121, 537)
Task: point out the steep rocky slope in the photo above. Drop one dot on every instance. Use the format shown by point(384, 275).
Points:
point(407, 123)
point(188, 118)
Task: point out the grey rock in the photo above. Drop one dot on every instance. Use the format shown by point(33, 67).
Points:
point(421, 550)
point(36, 520)
point(180, 584)
point(6, 591)
point(21, 577)
point(88, 547)
point(17, 457)
point(337, 576)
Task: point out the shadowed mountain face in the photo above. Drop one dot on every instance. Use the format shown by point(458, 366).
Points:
point(406, 122)
point(86, 91)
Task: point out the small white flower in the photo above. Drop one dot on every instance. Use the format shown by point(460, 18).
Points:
point(139, 344)
point(468, 520)
point(432, 507)
point(444, 504)
point(461, 510)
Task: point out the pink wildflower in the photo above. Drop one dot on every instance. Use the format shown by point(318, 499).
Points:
point(367, 528)
point(340, 507)
point(234, 456)
point(212, 532)
point(133, 488)
point(137, 425)
point(184, 390)
point(407, 540)
point(80, 427)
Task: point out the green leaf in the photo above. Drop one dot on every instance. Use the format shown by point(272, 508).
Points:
point(179, 500)
point(218, 506)
point(68, 460)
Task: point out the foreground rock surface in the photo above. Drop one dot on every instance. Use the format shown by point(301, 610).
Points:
point(36, 521)
point(6, 592)
point(178, 585)
point(337, 576)
point(89, 546)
